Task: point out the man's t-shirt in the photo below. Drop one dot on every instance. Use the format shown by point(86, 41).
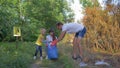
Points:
point(72, 27)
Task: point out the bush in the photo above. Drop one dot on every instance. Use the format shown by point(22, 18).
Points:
point(15, 58)
point(103, 30)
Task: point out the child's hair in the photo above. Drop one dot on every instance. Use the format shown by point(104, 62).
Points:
point(59, 23)
point(53, 36)
point(43, 30)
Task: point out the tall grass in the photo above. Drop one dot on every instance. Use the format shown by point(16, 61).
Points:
point(10, 57)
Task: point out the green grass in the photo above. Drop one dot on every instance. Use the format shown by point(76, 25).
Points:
point(22, 57)
point(11, 57)
point(64, 60)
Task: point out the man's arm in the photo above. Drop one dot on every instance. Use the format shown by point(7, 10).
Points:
point(61, 36)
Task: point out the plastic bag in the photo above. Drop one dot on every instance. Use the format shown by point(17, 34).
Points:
point(52, 52)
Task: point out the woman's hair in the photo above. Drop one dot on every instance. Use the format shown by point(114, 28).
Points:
point(53, 36)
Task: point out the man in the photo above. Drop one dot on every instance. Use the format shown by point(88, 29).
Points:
point(79, 30)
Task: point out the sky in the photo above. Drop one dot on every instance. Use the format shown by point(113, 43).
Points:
point(102, 3)
point(78, 8)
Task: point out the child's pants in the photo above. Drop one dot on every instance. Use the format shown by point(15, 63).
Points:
point(38, 48)
point(46, 50)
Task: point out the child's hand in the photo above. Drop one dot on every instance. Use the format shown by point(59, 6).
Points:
point(44, 41)
point(54, 42)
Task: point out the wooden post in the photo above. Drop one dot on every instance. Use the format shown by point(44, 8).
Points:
point(16, 42)
point(17, 34)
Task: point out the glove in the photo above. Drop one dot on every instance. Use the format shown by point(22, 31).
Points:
point(54, 42)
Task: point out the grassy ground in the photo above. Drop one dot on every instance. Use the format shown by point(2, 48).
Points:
point(22, 57)
point(10, 57)
point(64, 60)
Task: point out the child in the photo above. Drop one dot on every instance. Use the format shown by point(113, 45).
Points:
point(39, 43)
point(49, 38)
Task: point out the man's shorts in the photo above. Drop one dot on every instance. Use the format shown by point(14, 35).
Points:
point(81, 33)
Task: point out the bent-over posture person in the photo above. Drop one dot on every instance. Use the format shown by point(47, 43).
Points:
point(79, 30)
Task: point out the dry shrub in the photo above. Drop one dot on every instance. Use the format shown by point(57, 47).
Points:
point(68, 38)
point(103, 29)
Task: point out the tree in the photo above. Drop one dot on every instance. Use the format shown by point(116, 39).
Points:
point(30, 15)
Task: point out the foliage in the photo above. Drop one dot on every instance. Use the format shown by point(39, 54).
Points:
point(30, 15)
point(16, 58)
point(86, 3)
point(89, 3)
point(103, 29)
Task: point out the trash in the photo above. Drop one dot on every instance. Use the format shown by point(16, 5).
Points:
point(82, 64)
point(102, 62)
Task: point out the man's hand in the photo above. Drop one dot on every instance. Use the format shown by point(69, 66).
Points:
point(61, 35)
point(54, 42)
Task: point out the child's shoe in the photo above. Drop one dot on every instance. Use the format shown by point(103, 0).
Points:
point(34, 57)
point(41, 58)
point(46, 57)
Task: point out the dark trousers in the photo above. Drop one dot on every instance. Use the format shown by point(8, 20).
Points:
point(38, 48)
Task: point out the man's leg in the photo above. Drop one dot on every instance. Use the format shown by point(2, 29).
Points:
point(82, 63)
point(75, 48)
point(79, 47)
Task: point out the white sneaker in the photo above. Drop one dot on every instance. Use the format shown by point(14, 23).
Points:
point(34, 57)
point(82, 64)
point(46, 57)
point(41, 58)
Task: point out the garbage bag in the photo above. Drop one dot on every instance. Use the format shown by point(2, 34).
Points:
point(52, 52)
